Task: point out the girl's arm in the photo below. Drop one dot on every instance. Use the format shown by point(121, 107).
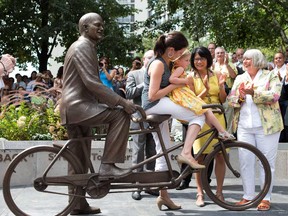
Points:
point(203, 94)
point(176, 78)
point(191, 82)
point(156, 70)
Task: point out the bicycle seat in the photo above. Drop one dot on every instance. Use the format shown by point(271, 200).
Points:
point(155, 120)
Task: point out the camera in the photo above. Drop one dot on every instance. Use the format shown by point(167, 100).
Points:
point(101, 64)
point(116, 70)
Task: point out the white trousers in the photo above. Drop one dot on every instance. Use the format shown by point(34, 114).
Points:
point(166, 106)
point(268, 145)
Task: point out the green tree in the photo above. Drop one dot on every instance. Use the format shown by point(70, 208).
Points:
point(30, 29)
point(230, 23)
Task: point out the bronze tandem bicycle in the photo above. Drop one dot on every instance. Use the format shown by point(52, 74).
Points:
point(51, 176)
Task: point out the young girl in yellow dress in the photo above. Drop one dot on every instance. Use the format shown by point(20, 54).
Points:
point(186, 97)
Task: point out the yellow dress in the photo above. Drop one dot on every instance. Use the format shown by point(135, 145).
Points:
point(185, 97)
point(214, 98)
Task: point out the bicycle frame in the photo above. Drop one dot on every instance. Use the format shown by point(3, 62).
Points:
point(168, 179)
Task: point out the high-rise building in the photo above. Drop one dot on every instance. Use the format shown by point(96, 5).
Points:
point(140, 16)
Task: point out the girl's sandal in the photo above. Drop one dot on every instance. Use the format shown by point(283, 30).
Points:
point(264, 206)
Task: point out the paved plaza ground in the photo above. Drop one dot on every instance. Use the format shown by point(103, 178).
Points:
point(121, 204)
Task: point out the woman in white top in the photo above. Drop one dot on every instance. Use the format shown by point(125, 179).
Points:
point(257, 119)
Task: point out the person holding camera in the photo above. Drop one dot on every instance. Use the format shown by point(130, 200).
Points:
point(106, 75)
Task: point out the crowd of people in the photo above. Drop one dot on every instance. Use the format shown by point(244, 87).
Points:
point(214, 77)
point(36, 88)
point(170, 79)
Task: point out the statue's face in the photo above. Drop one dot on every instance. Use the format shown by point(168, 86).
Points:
point(95, 28)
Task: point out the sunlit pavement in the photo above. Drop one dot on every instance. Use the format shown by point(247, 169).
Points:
point(121, 204)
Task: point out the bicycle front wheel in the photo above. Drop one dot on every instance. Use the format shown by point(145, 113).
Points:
point(21, 191)
point(232, 186)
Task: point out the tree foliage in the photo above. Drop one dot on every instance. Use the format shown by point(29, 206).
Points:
point(30, 29)
point(230, 23)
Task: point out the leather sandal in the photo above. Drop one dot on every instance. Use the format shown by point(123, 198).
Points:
point(243, 201)
point(264, 205)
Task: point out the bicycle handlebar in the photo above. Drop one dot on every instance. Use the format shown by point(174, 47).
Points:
point(141, 117)
point(217, 108)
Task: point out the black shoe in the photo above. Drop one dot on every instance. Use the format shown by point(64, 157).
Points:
point(86, 211)
point(183, 185)
point(137, 195)
point(152, 192)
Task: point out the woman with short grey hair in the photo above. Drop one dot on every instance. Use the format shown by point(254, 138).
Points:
point(257, 119)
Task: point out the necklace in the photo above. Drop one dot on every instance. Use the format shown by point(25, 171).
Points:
point(207, 94)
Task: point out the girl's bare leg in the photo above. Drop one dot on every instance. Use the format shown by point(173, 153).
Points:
point(212, 120)
point(191, 135)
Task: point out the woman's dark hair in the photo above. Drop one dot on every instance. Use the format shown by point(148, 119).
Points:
point(173, 39)
point(60, 72)
point(204, 53)
point(105, 58)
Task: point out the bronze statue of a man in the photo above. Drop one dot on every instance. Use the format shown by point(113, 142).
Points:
point(86, 102)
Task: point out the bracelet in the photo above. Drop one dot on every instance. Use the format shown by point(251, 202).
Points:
point(5, 71)
point(241, 99)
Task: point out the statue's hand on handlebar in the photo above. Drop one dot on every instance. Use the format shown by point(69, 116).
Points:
point(128, 106)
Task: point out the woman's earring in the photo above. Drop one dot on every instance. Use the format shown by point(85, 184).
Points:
point(170, 55)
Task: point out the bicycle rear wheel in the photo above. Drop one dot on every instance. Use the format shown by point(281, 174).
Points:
point(232, 187)
point(20, 191)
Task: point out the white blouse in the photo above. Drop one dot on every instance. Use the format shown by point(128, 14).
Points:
point(249, 114)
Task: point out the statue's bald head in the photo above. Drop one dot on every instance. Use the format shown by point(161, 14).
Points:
point(87, 19)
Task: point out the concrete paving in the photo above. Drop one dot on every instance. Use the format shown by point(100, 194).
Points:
point(121, 204)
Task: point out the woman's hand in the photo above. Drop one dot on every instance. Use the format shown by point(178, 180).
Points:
point(221, 79)
point(249, 89)
point(8, 63)
point(245, 89)
point(242, 93)
point(226, 58)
